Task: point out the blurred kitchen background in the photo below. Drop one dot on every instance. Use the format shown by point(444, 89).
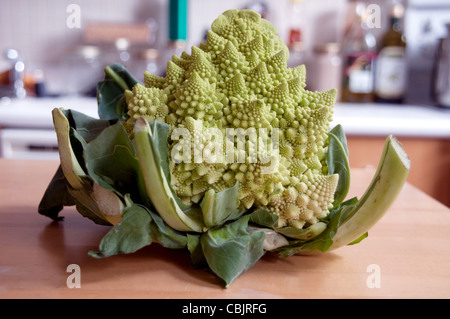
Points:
point(53, 53)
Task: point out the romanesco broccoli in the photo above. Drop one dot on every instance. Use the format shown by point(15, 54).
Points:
point(239, 78)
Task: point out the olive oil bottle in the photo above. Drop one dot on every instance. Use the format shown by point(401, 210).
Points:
point(391, 64)
point(358, 57)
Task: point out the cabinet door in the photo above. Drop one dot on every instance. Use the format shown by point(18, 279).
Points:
point(430, 161)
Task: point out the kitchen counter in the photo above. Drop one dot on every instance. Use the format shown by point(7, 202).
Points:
point(407, 254)
point(37, 112)
point(357, 119)
point(400, 120)
point(26, 125)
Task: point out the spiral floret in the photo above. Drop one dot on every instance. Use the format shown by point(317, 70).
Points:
point(238, 79)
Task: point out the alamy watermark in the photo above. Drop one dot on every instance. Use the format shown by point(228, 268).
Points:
point(233, 145)
point(74, 279)
point(372, 16)
point(73, 20)
point(374, 279)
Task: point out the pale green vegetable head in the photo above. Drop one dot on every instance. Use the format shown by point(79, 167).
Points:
point(239, 79)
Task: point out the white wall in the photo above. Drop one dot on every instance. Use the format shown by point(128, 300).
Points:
point(324, 17)
point(37, 28)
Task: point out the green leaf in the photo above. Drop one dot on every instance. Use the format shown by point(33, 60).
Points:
point(166, 235)
point(128, 236)
point(111, 161)
point(122, 109)
point(78, 184)
point(80, 128)
point(339, 133)
point(264, 218)
point(83, 129)
point(195, 248)
point(358, 240)
point(304, 233)
point(88, 127)
point(222, 206)
point(86, 203)
point(56, 196)
point(88, 199)
point(110, 91)
point(231, 249)
point(338, 163)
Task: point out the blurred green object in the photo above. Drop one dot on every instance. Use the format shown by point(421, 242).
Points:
point(178, 20)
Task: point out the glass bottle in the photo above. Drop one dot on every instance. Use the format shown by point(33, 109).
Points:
point(391, 64)
point(296, 23)
point(358, 58)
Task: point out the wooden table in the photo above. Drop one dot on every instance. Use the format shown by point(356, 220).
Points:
point(407, 254)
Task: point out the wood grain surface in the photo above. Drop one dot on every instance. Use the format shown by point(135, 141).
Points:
point(407, 254)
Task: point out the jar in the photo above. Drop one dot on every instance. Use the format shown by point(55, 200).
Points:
point(324, 71)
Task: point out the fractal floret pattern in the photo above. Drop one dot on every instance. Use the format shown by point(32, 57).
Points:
point(238, 78)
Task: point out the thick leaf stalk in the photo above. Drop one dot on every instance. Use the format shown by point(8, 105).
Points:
point(384, 188)
point(157, 187)
point(69, 164)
